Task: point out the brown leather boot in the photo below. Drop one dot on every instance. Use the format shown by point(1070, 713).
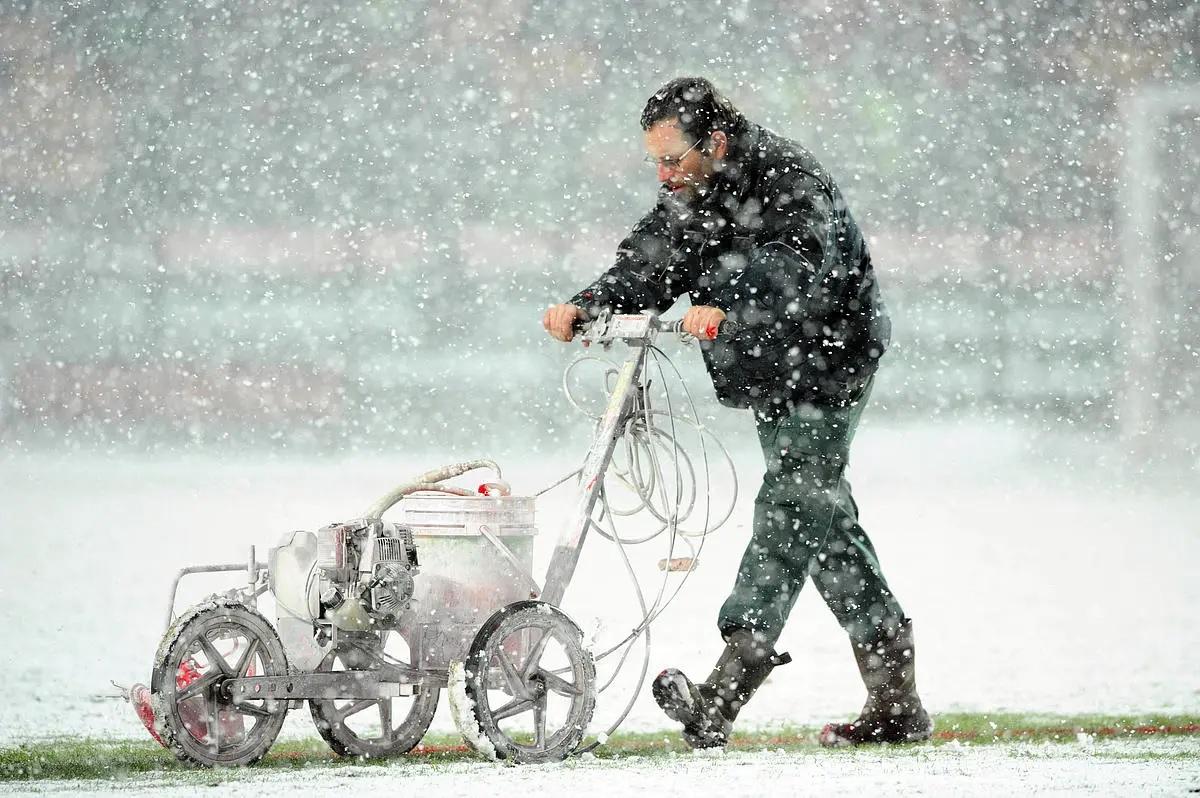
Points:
point(893, 712)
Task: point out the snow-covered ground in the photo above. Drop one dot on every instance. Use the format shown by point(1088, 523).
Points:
point(1112, 767)
point(1042, 574)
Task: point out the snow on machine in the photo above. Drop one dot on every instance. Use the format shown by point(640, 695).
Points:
point(373, 618)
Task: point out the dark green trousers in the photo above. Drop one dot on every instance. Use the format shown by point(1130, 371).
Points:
point(806, 524)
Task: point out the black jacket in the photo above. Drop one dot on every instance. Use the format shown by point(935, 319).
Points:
point(774, 246)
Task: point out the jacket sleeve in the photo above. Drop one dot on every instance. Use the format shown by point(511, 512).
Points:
point(644, 276)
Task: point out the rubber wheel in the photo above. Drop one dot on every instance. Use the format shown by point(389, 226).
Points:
point(531, 683)
point(349, 726)
point(217, 640)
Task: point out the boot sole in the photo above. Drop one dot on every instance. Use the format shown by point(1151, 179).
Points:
point(670, 691)
point(831, 738)
point(672, 698)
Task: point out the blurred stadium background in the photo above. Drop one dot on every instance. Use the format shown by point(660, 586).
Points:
point(316, 226)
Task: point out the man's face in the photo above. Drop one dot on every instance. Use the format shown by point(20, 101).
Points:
point(682, 165)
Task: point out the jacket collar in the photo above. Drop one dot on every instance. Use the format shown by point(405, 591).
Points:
point(742, 164)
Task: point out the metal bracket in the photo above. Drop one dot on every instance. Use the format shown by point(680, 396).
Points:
point(252, 568)
point(505, 552)
point(328, 686)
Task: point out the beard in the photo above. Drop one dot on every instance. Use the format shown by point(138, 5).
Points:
point(685, 199)
point(680, 204)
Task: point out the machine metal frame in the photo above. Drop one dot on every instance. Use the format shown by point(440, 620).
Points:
point(510, 666)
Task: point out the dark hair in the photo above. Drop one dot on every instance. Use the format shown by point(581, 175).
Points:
point(700, 107)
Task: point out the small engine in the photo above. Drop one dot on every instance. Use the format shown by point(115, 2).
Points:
point(366, 569)
point(395, 565)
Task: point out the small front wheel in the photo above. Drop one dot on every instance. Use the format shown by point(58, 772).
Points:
point(532, 682)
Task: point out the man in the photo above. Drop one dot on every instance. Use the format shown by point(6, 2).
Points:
point(753, 229)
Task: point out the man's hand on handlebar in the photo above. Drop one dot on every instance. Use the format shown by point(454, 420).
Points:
point(559, 321)
point(703, 321)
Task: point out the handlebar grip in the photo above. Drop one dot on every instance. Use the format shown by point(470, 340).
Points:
point(727, 329)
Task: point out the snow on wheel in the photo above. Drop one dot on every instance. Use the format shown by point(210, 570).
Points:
point(373, 728)
point(531, 683)
point(208, 646)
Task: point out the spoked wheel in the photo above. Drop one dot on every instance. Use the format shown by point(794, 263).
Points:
point(373, 727)
point(532, 682)
point(197, 718)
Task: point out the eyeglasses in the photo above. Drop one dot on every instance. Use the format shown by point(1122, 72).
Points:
point(671, 161)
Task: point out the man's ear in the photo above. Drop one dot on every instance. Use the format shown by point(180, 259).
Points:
point(719, 144)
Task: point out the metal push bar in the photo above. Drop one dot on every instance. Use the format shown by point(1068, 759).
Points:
point(638, 331)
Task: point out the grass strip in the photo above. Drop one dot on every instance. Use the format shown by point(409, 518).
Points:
point(83, 758)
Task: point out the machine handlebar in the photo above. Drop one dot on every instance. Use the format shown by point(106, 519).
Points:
point(608, 327)
point(725, 329)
